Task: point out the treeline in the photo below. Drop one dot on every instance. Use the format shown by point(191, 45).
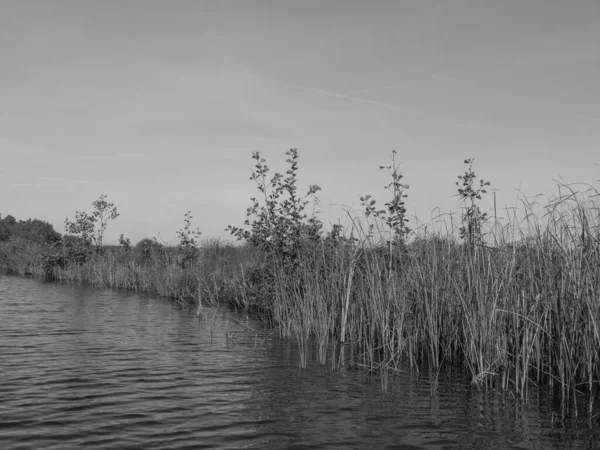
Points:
point(34, 230)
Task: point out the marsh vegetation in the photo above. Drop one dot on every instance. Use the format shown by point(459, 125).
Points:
point(515, 303)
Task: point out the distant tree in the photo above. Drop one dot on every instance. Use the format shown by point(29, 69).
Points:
point(35, 230)
point(9, 221)
point(4, 232)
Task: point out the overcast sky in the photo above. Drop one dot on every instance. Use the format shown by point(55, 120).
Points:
point(160, 104)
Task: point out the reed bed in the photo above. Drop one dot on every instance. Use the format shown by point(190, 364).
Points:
point(519, 311)
point(215, 275)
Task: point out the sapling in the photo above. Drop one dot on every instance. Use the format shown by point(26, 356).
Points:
point(394, 213)
point(472, 217)
point(188, 241)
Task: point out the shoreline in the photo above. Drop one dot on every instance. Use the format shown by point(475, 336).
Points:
point(507, 316)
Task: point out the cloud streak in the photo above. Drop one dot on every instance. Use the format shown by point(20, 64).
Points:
point(10, 146)
point(352, 97)
point(56, 180)
point(110, 157)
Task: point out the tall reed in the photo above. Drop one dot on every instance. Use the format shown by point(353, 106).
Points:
point(522, 312)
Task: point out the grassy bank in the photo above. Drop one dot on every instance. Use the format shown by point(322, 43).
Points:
point(215, 275)
point(515, 304)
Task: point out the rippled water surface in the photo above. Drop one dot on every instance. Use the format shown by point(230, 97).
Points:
point(88, 369)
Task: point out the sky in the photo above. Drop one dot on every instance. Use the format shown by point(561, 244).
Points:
point(160, 104)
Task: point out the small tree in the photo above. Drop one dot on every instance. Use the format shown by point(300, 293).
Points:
point(89, 228)
point(104, 211)
point(472, 216)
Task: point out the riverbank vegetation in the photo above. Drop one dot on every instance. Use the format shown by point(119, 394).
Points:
point(515, 303)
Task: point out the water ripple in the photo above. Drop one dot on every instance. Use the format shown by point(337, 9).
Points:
point(107, 369)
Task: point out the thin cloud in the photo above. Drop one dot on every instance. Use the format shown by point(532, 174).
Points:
point(374, 89)
point(67, 180)
point(35, 185)
point(243, 69)
point(10, 146)
point(58, 180)
point(384, 87)
point(355, 99)
point(110, 157)
point(414, 111)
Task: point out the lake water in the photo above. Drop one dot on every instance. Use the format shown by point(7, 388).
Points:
point(94, 369)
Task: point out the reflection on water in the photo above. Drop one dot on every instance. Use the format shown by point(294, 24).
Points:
point(107, 369)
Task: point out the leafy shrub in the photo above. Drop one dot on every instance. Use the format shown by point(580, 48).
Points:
point(124, 242)
point(277, 222)
point(75, 249)
point(149, 251)
point(53, 261)
point(258, 287)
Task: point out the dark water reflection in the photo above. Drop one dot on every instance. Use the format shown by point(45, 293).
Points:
point(86, 369)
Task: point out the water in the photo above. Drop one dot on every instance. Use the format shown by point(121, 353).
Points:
point(81, 368)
